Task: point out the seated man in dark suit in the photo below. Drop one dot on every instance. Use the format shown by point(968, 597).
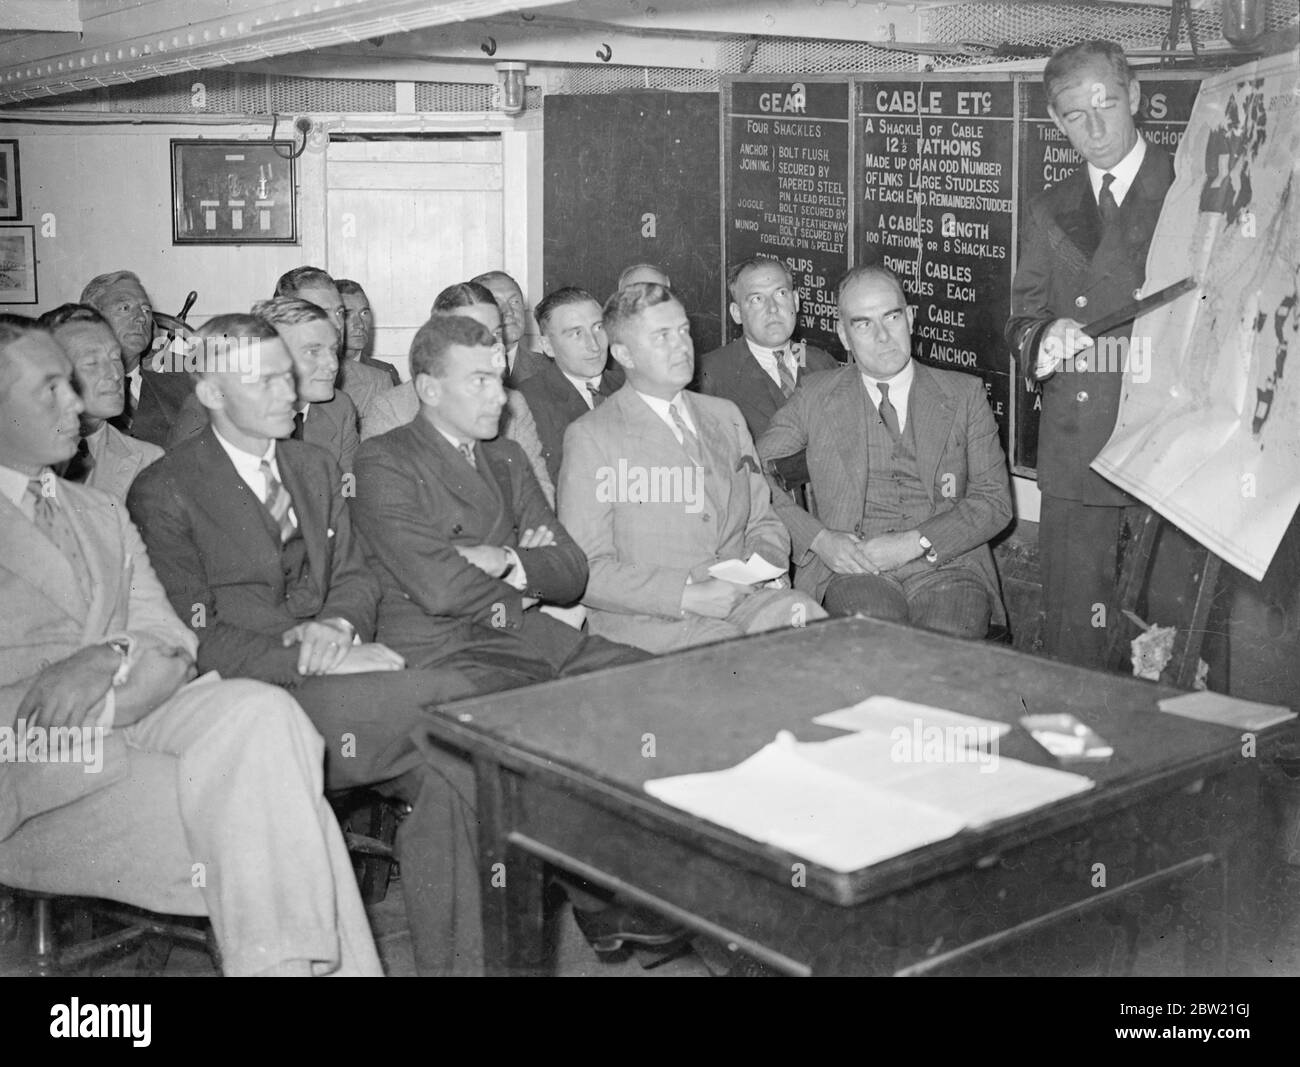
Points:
point(521, 363)
point(106, 458)
point(360, 381)
point(905, 466)
point(252, 539)
point(359, 332)
point(760, 369)
point(579, 375)
point(323, 416)
point(466, 547)
point(154, 391)
point(187, 797)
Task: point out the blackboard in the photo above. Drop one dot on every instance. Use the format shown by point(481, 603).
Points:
point(935, 191)
point(942, 168)
point(630, 178)
point(787, 185)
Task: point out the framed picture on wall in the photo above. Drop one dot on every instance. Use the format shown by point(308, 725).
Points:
point(17, 264)
point(233, 192)
point(11, 200)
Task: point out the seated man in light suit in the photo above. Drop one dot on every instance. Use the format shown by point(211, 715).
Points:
point(760, 369)
point(252, 539)
point(323, 416)
point(905, 466)
point(208, 798)
point(399, 406)
point(106, 458)
point(658, 485)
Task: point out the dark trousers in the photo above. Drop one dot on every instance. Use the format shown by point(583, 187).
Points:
point(948, 600)
point(437, 843)
point(1078, 552)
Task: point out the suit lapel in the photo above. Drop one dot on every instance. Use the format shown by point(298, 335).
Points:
point(460, 479)
point(124, 462)
point(717, 478)
point(1080, 221)
point(104, 559)
point(846, 419)
point(931, 419)
point(642, 422)
point(312, 512)
point(322, 428)
point(33, 559)
point(231, 505)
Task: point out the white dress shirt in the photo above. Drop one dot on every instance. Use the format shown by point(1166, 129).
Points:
point(900, 388)
point(584, 387)
point(1124, 171)
point(767, 360)
point(660, 408)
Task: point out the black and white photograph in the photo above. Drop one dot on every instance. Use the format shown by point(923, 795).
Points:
point(693, 489)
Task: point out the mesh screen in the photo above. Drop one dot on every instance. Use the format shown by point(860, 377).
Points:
point(292, 95)
point(448, 97)
point(1055, 24)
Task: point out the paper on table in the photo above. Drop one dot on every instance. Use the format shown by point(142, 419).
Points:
point(854, 801)
point(1227, 711)
point(748, 572)
point(780, 798)
point(945, 771)
point(882, 713)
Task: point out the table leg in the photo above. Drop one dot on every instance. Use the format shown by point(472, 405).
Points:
point(513, 883)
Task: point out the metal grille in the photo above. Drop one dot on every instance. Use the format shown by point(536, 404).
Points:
point(294, 95)
point(591, 78)
point(798, 55)
point(452, 97)
point(1052, 24)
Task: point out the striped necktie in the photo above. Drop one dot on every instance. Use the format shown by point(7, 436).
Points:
point(597, 397)
point(689, 441)
point(278, 502)
point(48, 515)
point(888, 415)
point(467, 450)
point(784, 371)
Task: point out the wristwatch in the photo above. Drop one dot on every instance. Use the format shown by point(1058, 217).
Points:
point(927, 546)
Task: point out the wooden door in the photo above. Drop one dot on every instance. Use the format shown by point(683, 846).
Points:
point(408, 217)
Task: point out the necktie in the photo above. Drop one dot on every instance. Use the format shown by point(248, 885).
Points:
point(689, 441)
point(784, 369)
point(1106, 201)
point(468, 452)
point(298, 420)
point(80, 465)
point(597, 397)
point(278, 502)
point(53, 523)
point(887, 413)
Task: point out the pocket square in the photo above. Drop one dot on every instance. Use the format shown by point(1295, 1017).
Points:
point(748, 461)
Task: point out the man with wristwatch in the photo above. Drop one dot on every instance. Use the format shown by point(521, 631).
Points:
point(908, 481)
point(192, 797)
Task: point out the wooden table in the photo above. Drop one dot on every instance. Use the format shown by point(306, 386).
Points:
point(561, 768)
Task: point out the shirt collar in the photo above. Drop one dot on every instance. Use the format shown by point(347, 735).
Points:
point(455, 442)
point(246, 464)
point(13, 486)
point(581, 384)
point(1125, 171)
point(900, 383)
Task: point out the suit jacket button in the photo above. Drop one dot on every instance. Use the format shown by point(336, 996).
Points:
point(1081, 396)
point(456, 529)
point(1137, 293)
point(42, 664)
point(1080, 364)
point(706, 517)
point(1081, 301)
